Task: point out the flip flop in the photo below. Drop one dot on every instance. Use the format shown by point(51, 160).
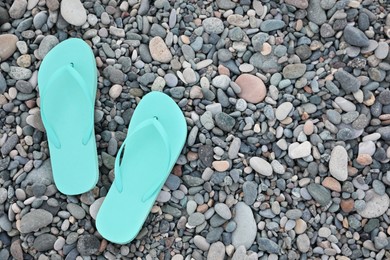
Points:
point(67, 82)
point(155, 138)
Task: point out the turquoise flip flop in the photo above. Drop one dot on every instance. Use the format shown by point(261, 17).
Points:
point(155, 138)
point(67, 82)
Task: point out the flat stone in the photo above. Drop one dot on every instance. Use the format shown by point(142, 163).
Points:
point(213, 25)
point(223, 210)
point(201, 243)
point(250, 192)
point(224, 121)
point(283, 110)
point(76, 211)
point(246, 230)
point(44, 242)
point(225, 4)
point(261, 166)
point(315, 13)
point(296, 150)
point(94, 208)
point(338, 163)
point(10, 144)
point(73, 12)
point(376, 205)
point(331, 183)
point(196, 219)
point(159, 50)
point(319, 194)
point(252, 88)
point(35, 220)
point(88, 245)
point(347, 81)
point(294, 71)
point(20, 73)
point(302, 4)
point(382, 50)
point(355, 37)
point(216, 251)
point(17, 9)
point(303, 243)
point(271, 25)
point(7, 45)
point(267, 245)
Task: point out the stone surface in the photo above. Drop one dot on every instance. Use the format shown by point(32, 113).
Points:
point(159, 50)
point(73, 12)
point(7, 45)
point(252, 88)
point(376, 205)
point(35, 220)
point(338, 163)
point(245, 233)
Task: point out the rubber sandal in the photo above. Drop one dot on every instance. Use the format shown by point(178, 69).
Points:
point(67, 82)
point(155, 138)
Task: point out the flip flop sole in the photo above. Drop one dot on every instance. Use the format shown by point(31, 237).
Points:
point(151, 150)
point(67, 86)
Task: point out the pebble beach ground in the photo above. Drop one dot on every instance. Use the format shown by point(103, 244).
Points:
point(288, 112)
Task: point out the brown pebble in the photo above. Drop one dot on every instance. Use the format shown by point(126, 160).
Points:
point(364, 159)
point(177, 170)
point(222, 70)
point(347, 205)
point(202, 208)
point(252, 88)
point(221, 166)
point(332, 184)
point(308, 127)
point(192, 156)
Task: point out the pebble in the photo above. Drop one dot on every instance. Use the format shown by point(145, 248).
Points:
point(95, 206)
point(88, 245)
point(302, 4)
point(250, 192)
point(283, 110)
point(297, 150)
point(216, 251)
point(294, 71)
point(17, 9)
point(315, 13)
point(376, 205)
point(159, 50)
point(303, 243)
point(213, 25)
point(355, 37)
point(319, 194)
point(338, 164)
point(245, 232)
point(201, 243)
point(115, 91)
point(46, 45)
point(224, 121)
point(348, 82)
point(271, 25)
point(268, 245)
point(261, 166)
point(223, 211)
point(7, 45)
point(252, 88)
point(44, 242)
point(73, 12)
point(35, 220)
point(382, 50)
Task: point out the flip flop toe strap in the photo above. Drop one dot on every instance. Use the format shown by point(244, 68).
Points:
point(67, 70)
point(118, 174)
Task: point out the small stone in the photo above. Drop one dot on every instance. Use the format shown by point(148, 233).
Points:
point(17, 9)
point(216, 251)
point(319, 193)
point(268, 245)
point(44, 242)
point(283, 110)
point(76, 211)
point(303, 243)
point(347, 205)
point(300, 226)
point(224, 121)
point(315, 13)
point(347, 81)
point(196, 219)
point(35, 220)
point(159, 50)
point(252, 88)
point(382, 50)
point(296, 150)
point(261, 166)
point(249, 189)
point(271, 25)
point(294, 71)
point(221, 81)
point(246, 230)
point(376, 205)
point(73, 12)
point(332, 184)
point(338, 163)
point(213, 25)
point(7, 45)
point(302, 4)
point(201, 243)
point(364, 159)
point(46, 45)
point(88, 245)
point(9, 144)
point(94, 208)
point(115, 91)
point(355, 37)
point(221, 166)
point(223, 210)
